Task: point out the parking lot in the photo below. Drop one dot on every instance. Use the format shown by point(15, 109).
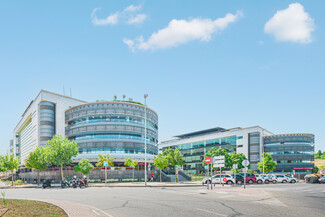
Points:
point(298, 199)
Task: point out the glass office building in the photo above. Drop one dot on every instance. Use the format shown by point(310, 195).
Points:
point(116, 128)
point(292, 152)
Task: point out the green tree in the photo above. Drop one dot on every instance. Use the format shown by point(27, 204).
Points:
point(10, 163)
point(115, 97)
point(269, 164)
point(60, 151)
point(237, 158)
point(251, 171)
point(161, 162)
point(213, 152)
point(102, 158)
point(37, 160)
point(83, 166)
point(318, 155)
point(174, 157)
point(131, 163)
point(315, 169)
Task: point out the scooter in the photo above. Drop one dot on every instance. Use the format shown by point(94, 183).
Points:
point(46, 183)
point(74, 182)
point(81, 183)
point(65, 184)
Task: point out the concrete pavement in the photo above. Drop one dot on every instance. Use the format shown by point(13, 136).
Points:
point(256, 200)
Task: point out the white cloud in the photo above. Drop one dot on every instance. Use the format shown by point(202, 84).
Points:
point(182, 31)
point(133, 8)
point(292, 24)
point(138, 19)
point(128, 15)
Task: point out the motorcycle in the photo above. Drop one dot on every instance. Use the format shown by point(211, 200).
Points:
point(81, 183)
point(65, 184)
point(85, 181)
point(74, 182)
point(46, 183)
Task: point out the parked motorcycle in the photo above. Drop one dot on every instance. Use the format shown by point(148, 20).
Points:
point(74, 182)
point(85, 181)
point(81, 183)
point(65, 184)
point(46, 183)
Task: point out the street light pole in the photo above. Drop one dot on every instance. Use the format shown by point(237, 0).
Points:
point(145, 139)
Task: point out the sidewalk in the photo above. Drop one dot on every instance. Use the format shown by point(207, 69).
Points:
point(119, 184)
point(76, 209)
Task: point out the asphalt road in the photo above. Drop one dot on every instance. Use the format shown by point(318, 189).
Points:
point(256, 200)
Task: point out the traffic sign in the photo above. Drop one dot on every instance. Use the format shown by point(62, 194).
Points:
point(219, 157)
point(178, 165)
point(224, 179)
point(207, 160)
point(235, 166)
point(245, 163)
point(219, 165)
point(245, 170)
point(219, 161)
point(105, 163)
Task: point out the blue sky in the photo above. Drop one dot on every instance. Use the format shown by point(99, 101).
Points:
point(262, 64)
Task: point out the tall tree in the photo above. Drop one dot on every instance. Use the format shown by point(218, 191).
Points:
point(102, 158)
point(124, 96)
point(161, 162)
point(37, 160)
point(10, 163)
point(131, 163)
point(84, 166)
point(60, 151)
point(237, 158)
point(174, 157)
point(269, 164)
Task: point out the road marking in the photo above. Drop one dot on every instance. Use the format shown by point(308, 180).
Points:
point(219, 214)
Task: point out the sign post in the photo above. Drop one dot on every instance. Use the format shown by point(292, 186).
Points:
point(207, 161)
point(245, 163)
point(235, 166)
point(219, 161)
point(105, 165)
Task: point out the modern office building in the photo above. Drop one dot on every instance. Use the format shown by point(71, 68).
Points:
point(43, 118)
point(291, 152)
point(193, 146)
point(116, 128)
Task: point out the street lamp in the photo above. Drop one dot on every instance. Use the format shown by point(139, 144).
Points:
point(145, 139)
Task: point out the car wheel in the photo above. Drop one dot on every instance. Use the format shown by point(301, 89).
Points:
point(267, 181)
point(274, 181)
point(259, 182)
point(229, 182)
point(250, 182)
point(239, 182)
point(284, 181)
point(293, 181)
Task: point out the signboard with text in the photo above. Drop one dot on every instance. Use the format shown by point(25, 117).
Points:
point(302, 168)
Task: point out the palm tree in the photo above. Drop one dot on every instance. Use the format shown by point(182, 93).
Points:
point(115, 97)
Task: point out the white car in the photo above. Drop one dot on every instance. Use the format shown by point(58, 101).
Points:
point(225, 179)
point(265, 178)
point(292, 179)
point(281, 178)
point(259, 179)
point(273, 178)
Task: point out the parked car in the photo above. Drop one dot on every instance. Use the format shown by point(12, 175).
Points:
point(206, 180)
point(265, 178)
point(250, 177)
point(273, 178)
point(280, 178)
point(239, 179)
point(291, 179)
point(225, 179)
point(322, 180)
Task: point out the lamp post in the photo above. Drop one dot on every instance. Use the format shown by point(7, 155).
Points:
point(145, 139)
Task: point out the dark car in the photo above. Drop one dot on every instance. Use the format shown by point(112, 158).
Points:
point(239, 179)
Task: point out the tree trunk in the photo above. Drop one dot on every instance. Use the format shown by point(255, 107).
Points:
point(38, 177)
point(133, 176)
point(62, 171)
point(160, 175)
point(12, 177)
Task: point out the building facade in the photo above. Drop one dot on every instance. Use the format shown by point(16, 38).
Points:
point(193, 146)
point(292, 152)
point(43, 118)
point(116, 128)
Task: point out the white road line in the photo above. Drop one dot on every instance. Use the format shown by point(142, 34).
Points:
point(211, 212)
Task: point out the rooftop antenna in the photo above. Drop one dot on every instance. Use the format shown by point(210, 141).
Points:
point(70, 93)
point(63, 91)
